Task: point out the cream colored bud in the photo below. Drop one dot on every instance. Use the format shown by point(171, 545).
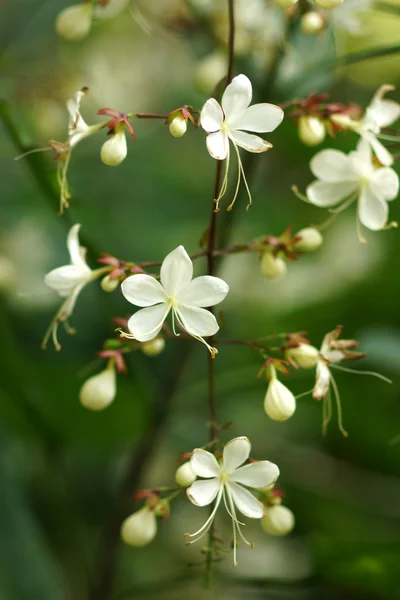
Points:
point(305, 356)
point(279, 402)
point(278, 520)
point(185, 475)
point(178, 126)
point(312, 23)
point(140, 528)
point(310, 240)
point(343, 121)
point(153, 347)
point(286, 3)
point(108, 284)
point(328, 4)
point(99, 391)
point(114, 150)
point(272, 267)
point(74, 22)
point(311, 130)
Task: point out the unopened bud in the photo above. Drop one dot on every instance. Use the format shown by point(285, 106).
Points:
point(343, 121)
point(113, 151)
point(279, 402)
point(272, 267)
point(185, 475)
point(310, 240)
point(278, 520)
point(312, 23)
point(74, 22)
point(153, 347)
point(305, 356)
point(108, 284)
point(286, 3)
point(99, 391)
point(311, 130)
point(328, 4)
point(140, 528)
point(178, 126)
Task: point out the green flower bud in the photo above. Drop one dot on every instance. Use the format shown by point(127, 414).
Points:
point(312, 23)
point(278, 520)
point(153, 347)
point(272, 267)
point(140, 528)
point(311, 130)
point(311, 239)
point(178, 126)
point(185, 475)
point(99, 391)
point(108, 284)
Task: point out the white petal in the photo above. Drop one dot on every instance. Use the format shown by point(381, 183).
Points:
point(385, 183)
point(323, 377)
point(204, 464)
point(332, 165)
point(236, 97)
point(202, 493)
point(218, 145)
point(372, 210)
point(204, 291)
point(74, 249)
point(382, 154)
point(251, 143)
point(384, 112)
point(211, 116)
point(65, 279)
point(246, 502)
point(143, 290)
point(147, 322)
point(197, 321)
point(235, 453)
point(322, 193)
point(176, 271)
point(256, 475)
point(259, 118)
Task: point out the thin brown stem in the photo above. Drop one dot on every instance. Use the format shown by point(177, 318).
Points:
point(148, 116)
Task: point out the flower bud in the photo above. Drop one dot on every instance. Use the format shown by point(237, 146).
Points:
point(278, 520)
point(113, 151)
point(312, 23)
point(305, 356)
point(286, 3)
point(185, 475)
point(310, 240)
point(74, 22)
point(311, 130)
point(153, 347)
point(178, 126)
point(328, 4)
point(100, 390)
point(272, 267)
point(108, 284)
point(140, 528)
point(279, 403)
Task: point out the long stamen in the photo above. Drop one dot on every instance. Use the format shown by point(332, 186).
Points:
point(237, 522)
point(33, 151)
point(64, 192)
point(224, 185)
point(181, 321)
point(304, 394)
point(343, 206)
point(228, 510)
point(360, 236)
point(203, 530)
point(339, 407)
point(354, 371)
point(173, 323)
point(238, 179)
point(326, 411)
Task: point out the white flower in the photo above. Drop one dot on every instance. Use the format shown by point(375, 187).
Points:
point(226, 482)
point(178, 292)
point(140, 528)
point(343, 178)
point(278, 520)
point(74, 22)
point(68, 281)
point(279, 402)
point(232, 120)
point(99, 391)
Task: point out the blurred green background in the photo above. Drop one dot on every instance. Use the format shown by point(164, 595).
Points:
point(61, 467)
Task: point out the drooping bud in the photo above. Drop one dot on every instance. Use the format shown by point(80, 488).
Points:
point(272, 267)
point(328, 4)
point(279, 402)
point(74, 22)
point(153, 347)
point(310, 239)
point(99, 391)
point(113, 151)
point(305, 356)
point(311, 130)
point(286, 3)
point(178, 126)
point(140, 528)
point(278, 520)
point(185, 475)
point(312, 23)
point(108, 284)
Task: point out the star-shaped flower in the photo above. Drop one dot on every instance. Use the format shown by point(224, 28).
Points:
point(228, 482)
point(345, 178)
point(178, 292)
point(231, 121)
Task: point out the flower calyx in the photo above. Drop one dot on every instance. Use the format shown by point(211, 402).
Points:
point(177, 120)
point(116, 118)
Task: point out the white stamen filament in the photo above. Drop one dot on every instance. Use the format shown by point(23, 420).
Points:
point(203, 530)
point(339, 407)
point(181, 321)
point(373, 373)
